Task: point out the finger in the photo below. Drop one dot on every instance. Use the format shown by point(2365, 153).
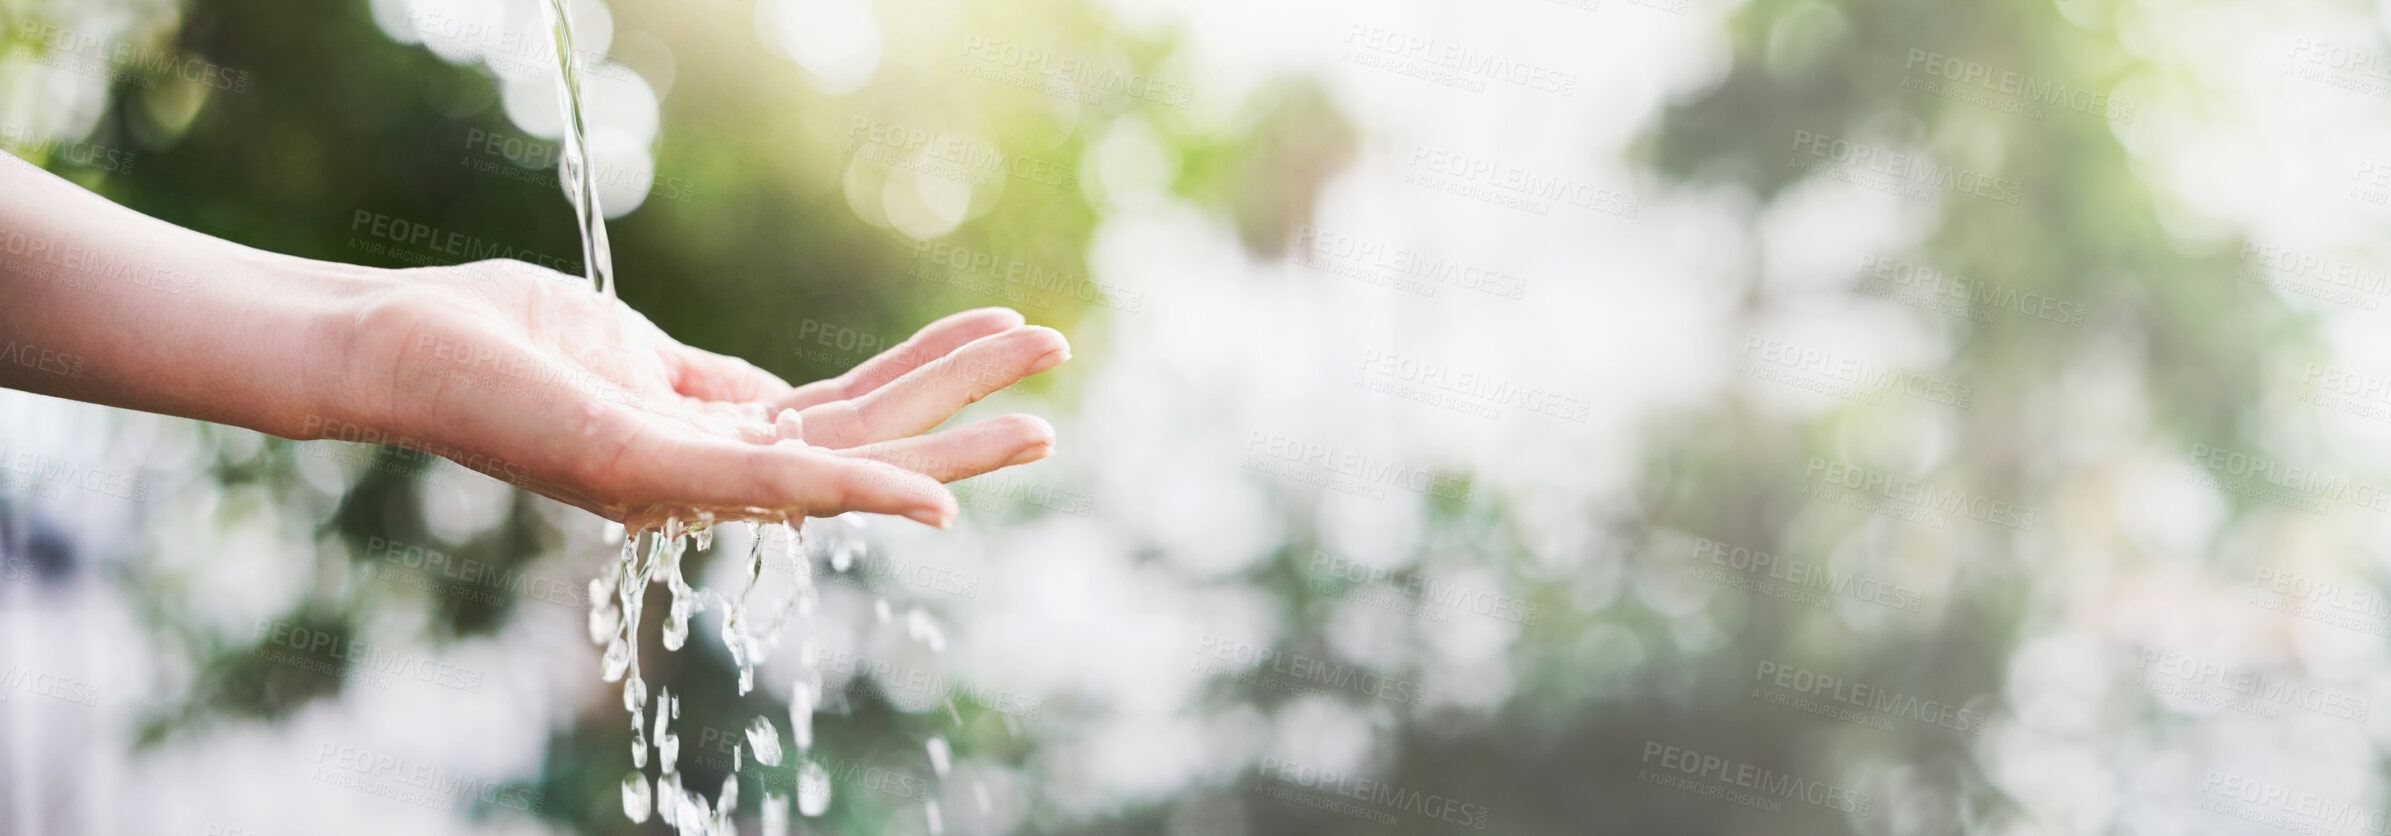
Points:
point(933, 341)
point(705, 375)
point(690, 470)
point(966, 451)
point(927, 396)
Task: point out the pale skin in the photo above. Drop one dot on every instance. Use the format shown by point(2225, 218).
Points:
point(512, 370)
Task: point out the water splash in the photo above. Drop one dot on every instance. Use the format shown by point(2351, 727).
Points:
point(846, 544)
point(801, 714)
point(636, 800)
point(813, 789)
point(775, 814)
point(653, 553)
point(668, 745)
point(940, 756)
point(766, 740)
point(924, 629)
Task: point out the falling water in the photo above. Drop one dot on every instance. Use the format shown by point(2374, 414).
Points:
point(574, 172)
point(653, 554)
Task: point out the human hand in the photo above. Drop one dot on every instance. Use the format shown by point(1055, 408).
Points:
point(525, 374)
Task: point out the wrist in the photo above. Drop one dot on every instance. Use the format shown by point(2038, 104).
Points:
point(337, 344)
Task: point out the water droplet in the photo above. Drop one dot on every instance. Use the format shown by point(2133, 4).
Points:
point(979, 792)
point(668, 745)
point(930, 811)
point(636, 800)
point(684, 599)
point(616, 660)
point(766, 739)
point(801, 715)
point(639, 740)
point(635, 691)
point(813, 789)
point(604, 620)
point(776, 814)
point(881, 611)
point(924, 629)
point(940, 756)
point(728, 804)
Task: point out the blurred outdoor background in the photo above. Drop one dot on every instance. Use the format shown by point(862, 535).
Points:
point(1517, 417)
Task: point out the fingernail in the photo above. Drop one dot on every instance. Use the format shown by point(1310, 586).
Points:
point(1031, 453)
point(931, 517)
point(1050, 360)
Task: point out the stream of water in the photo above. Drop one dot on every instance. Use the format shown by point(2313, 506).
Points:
point(654, 554)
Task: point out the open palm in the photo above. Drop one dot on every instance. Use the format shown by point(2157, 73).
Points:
point(523, 373)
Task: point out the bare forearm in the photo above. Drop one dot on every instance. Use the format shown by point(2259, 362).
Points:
point(100, 303)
